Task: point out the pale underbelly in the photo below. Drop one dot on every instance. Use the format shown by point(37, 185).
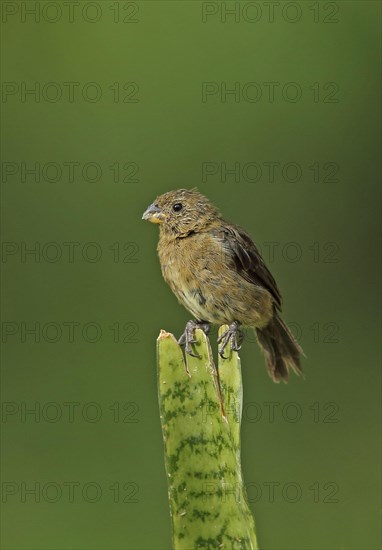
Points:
point(221, 307)
point(210, 297)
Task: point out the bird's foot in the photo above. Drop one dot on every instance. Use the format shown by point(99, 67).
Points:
point(234, 335)
point(187, 338)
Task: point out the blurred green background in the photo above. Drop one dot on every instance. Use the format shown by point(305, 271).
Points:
point(137, 121)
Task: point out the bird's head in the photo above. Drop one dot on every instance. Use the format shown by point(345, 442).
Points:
point(181, 212)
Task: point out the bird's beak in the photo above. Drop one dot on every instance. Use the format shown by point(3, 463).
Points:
point(153, 214)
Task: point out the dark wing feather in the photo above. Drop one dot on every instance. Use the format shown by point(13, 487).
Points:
point(247, 259)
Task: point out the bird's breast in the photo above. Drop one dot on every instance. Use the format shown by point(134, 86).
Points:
point(188, 272)
point(204, 280)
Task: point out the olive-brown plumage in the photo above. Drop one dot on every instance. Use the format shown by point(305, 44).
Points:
point(216, 271)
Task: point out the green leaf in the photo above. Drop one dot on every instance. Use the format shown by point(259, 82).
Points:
point(200, 416)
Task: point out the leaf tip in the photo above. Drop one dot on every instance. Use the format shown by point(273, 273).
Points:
point(164, 334)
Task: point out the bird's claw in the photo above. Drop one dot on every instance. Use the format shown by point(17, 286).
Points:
point(187, 338)
point(234, 335)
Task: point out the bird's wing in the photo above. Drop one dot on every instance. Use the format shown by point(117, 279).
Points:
point(247, 259)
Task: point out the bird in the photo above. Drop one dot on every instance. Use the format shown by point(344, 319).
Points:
point(217, 273)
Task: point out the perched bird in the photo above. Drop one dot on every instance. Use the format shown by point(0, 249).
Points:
point(218, 274)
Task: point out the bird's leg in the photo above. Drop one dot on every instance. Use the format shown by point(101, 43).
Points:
point(187, 337)
point(234, 335)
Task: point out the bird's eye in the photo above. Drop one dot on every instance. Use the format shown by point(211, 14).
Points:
point(177, 206)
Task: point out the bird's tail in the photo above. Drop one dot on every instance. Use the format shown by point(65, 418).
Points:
point(280, 348)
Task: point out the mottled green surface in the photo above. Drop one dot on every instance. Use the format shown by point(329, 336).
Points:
point(230, 384)
point(201, 430)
